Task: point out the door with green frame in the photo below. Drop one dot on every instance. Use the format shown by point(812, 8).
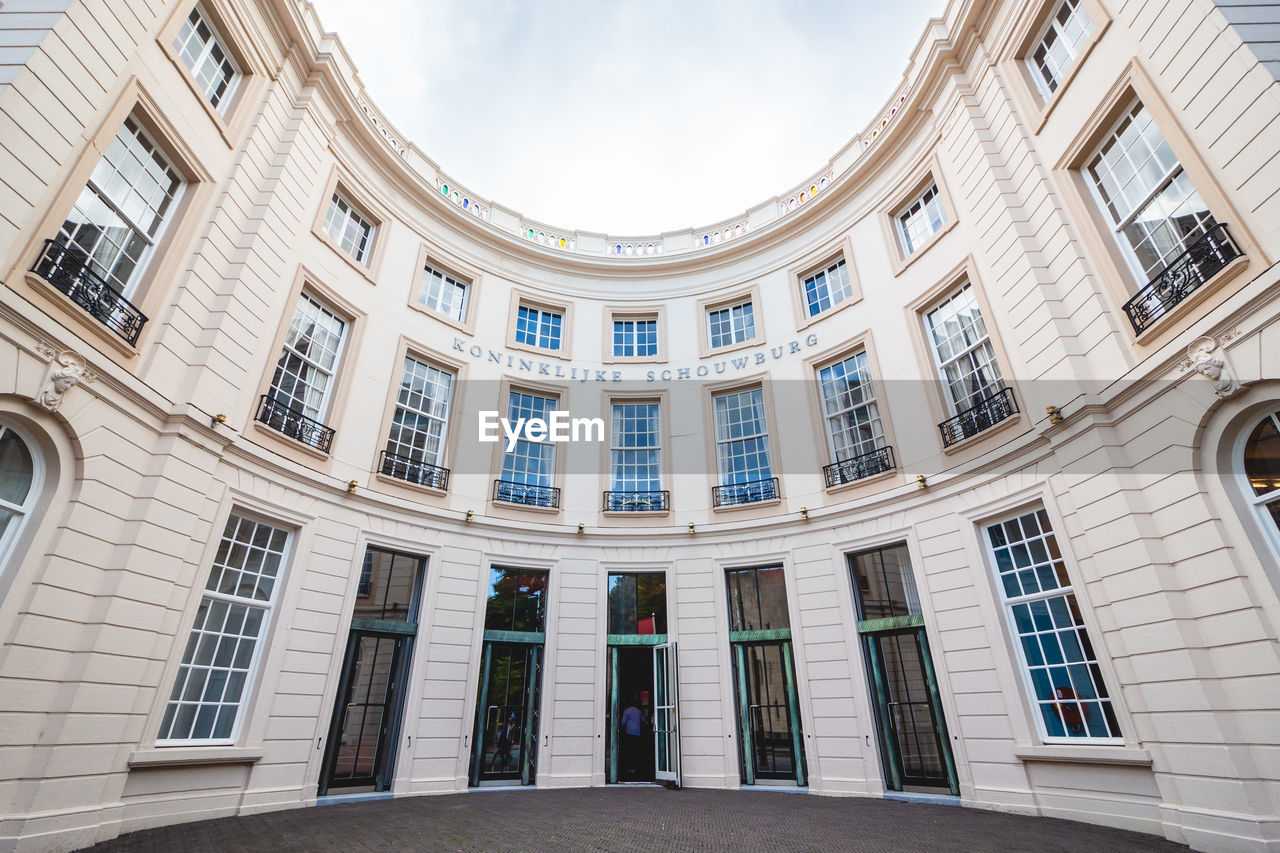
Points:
point(504, 748)
point(771, 746)
point(912, 732)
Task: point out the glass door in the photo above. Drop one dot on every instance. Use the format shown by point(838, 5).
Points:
point(666, 715)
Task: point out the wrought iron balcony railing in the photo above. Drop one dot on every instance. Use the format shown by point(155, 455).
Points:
point(67, 269)
point(986, 413)
point(637, 501)
point(526, 494)
point(421, 473)
point(1202, 260)
point(287, 420)
point(755, 491)
point(859, 467)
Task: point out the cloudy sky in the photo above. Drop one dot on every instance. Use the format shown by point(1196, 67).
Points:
point(629, 116)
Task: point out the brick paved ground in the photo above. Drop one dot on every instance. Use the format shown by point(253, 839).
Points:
point(635, 819)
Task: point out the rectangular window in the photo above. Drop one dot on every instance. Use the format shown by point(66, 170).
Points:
point(635, 464)
point(758, 599)
point(827, 288)
point(1053, 645)
point(1147, 197)
point(443, 293)
point(920, 220)
point(517, 601)
point(312, 347)
point(742, 449)
point(733, 325)
point(225, 641)
point(205, 55)
point(849, 407)
point(886, 587)
point(1060, 46)
point(529, 469)
point(122, 210)
point(349, 229)
point(638, 603)
point(422, 414)
point(536, 327)
point(962, 349)
point(635, 338)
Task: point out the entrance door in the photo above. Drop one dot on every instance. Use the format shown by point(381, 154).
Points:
point(666, 714)
point(507, 725)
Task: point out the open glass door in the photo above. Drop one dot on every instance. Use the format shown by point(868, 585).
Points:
point(666, 715)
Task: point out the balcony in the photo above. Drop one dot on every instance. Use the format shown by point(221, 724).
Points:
point(288, 421)
point(859, 467)
point(1202, 260)
point(67, 269)
point(526, 494)
point(734, 494)
point(984, 414)
point(416, 472)
point(637, 501)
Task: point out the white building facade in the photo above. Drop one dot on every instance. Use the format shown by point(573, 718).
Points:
point(952, 473)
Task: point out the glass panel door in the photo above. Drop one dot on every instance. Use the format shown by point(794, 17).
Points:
point(666, 716)
point(361, 743)
point(907, 709)
point(767, 709)
point(507, 714)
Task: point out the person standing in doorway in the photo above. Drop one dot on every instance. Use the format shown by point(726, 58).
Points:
point(632, 731)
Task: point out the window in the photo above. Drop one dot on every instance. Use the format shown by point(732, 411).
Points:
point(1147, 197)
point(962, 348)
point(885, 584)
point(203, 52)
point(921, 219)
point(854, 431)
point(517, 601)
point(1060, 46)
point(443, 293)
point(312, 346)
point(635, 338)
point(415, 446)
point(225, 642)
point(757, 599)
point(1053, 645)
point(827, 287)
point(537, 327)
point(1261, 465)
point(742, 449)
point(529, 468)
point(349, 229)
point(20, 476)
point(122, 210)
point(635, 463)
point(638, 603)
point(732, 325)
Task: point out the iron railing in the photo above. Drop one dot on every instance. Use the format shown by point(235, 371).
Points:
point(985, 413)
point(731, 494)
point(637, 501)
point(287, 420)
point(526, 494)
point(67, 269)
point(411, 471)
point(1202, 260)
point(859, 467)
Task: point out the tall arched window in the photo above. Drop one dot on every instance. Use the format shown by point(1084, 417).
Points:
point(1262, 473)
point(19, 487)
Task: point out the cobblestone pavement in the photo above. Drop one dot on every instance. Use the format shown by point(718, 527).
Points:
point(639, 819)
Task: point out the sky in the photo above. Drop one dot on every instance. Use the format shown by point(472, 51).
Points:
point(629, 117)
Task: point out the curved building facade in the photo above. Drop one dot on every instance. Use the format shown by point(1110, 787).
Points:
point(952, 473)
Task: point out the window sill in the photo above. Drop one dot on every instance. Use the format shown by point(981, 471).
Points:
point(418, 487)
point(290, 442)
point(193, 756)
point(713, 352)
point(748, 505)
point(545, 510)
point(467, 327)
point(218, 119)
point(808, 320)
point(1122, 756)
point(1157, 330)
point(561, 353)
point(82, 318)
point(636, 513)
point(1077, 63)
point(978, 437)
point(359, 267)
point(902, 263)
point(865, 481)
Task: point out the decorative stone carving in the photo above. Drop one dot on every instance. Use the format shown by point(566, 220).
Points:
point(1208, 357)
point(67, 369)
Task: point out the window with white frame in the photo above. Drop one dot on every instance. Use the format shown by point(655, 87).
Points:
point(635, 338)
point(962, 350)
point(422, 413)
point(635, 457)
point(530, 462)
point(123, 209)
point(1057, 659)
point(444, 293)
point(827, 287)
point(20, 475)
point(225, 643)
point(742, 437)
point(539, 327)
point(202, 50)
point(312, 346)
point(923, 217)
point(849, 408)
point(1260, 463)
point(731, 325)
point(1146, 196)
point(349, 228)
point(1059, 46)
